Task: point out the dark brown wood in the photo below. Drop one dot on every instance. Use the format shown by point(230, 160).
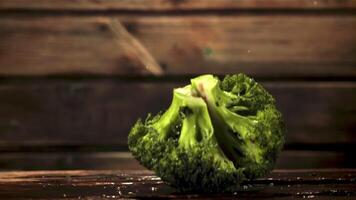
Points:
point(263, 45)
point(281, 184)
point(101, 112)
point(315, 159)
point(68, 161)
point(124, 160)
point(167, 5)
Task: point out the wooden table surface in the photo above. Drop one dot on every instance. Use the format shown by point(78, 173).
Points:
point(143, 184)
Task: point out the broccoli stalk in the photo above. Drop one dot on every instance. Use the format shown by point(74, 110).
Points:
point(191, 113)
point(232, 130)
point(182, 106)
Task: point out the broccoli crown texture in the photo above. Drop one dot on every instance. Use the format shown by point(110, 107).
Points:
point(214, 135)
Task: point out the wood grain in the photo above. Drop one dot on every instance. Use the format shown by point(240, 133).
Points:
point(101, 112)
point(123, 37)
point(168, 5)
point(259, 45)
point(124, 161)
point(284, 184)
point(64, 46)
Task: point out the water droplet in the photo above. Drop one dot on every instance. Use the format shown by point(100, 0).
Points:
point(119, 190)
point(64, 195)
point(153, 189)
point(127, 183)
point(159, 182)
point(109, 196)
point(152, 178)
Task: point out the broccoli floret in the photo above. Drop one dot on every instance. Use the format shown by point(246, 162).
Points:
point(214, 135)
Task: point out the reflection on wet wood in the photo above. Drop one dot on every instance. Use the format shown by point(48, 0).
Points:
point(284, 184)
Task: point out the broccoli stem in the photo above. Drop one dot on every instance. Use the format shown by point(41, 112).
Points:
point(169, 118)
point(189, 133)
point(231, 130)
point(195, 125)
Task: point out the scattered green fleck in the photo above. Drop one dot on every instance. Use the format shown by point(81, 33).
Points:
point(208, 51)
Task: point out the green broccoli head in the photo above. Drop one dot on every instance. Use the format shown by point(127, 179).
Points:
point(214, 135)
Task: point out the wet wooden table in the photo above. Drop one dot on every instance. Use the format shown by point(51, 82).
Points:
point(141, 184)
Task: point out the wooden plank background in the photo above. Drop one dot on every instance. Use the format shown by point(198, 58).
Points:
point(62, 112)
point(173, 5)
point(75, 75)
point(260, 45)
